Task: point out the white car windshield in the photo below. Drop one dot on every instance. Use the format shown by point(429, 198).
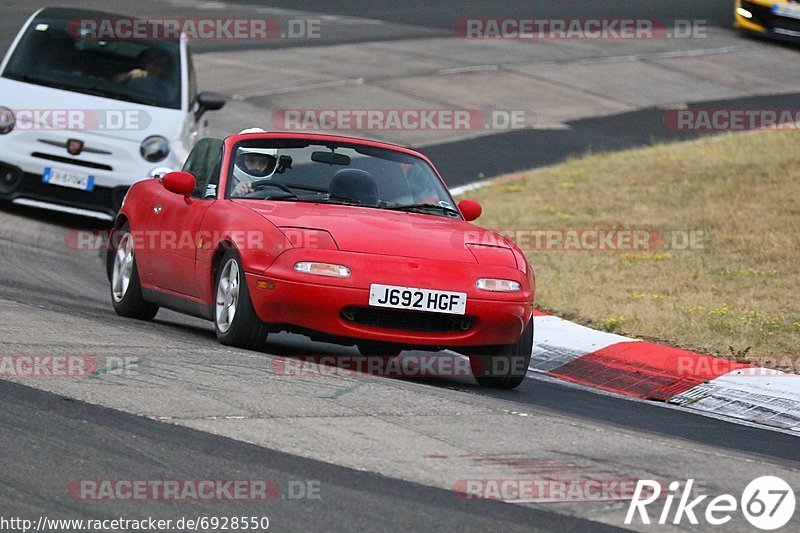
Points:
point(146, 72)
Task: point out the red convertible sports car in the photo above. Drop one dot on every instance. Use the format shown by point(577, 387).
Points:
point(345, 240)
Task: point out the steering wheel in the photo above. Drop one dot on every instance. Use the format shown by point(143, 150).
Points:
point(260, 184)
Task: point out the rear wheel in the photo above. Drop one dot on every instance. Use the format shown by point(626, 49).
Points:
point(505, 366)
point(126, 290)
point(235, 319)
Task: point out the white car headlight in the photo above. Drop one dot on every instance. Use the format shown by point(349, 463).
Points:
point(7, 120)
point(498, 285)
point(159, 171)
point(154, 148)
point(323, 269)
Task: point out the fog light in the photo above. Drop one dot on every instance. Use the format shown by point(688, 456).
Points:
point(323, 269)
point(498, 285)
point(744, 13)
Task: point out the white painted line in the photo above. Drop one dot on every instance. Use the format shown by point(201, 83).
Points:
point(475, 68)
point(635, 57)
point(456, 191)
point(299, 88)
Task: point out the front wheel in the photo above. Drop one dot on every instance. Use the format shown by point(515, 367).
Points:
point(505, 366)
point(235, 319)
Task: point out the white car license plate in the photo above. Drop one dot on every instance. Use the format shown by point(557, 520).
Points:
point(786, 10)
point(66, 178)
point(418, 299)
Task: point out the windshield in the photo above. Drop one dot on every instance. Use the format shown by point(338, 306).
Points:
point(146, 72)
point(336, 173)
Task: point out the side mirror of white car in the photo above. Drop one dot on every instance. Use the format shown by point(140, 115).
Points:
point(208, 101)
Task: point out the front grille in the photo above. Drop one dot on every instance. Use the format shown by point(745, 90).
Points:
point(406, 320)
point(79, 162)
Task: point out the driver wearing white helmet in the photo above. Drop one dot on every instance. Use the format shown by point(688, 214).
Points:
point(252, 164)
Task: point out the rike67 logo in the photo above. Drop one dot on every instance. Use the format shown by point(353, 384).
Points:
point(767, 503)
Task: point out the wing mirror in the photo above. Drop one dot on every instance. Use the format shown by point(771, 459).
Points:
point(470, 209)
point(181, 183)
point(208, 101)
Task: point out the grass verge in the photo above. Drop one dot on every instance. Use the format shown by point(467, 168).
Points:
point(735, 292)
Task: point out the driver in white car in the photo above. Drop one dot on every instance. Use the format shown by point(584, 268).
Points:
point(252, 164)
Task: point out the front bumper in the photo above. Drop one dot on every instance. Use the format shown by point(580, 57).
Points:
point(340, 308)
point(15, 184)
point(766, 23)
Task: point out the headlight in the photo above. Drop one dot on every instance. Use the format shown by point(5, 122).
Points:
point(323, 269)
point(498, 285)
point(6, 120)
point(154, 148)
point(159, 171)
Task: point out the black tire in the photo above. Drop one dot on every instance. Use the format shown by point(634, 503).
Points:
point(504, 367)
point(378, 348)
point(245, 329)
point(128, 301)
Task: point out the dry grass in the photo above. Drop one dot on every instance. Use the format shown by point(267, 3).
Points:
point(738, 295)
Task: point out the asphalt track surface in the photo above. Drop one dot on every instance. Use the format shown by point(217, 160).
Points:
point(48, 438)
point(601, 134)
point(62, 437)
point(406, 19)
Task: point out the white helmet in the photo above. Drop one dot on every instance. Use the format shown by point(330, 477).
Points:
point(244, 173)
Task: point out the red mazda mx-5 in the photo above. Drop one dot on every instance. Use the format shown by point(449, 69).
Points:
point(342, 239)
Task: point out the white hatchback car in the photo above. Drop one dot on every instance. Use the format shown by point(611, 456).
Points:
point(82, 118)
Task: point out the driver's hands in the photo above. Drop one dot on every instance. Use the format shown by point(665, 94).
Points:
point(133, 74)
point(243, 188)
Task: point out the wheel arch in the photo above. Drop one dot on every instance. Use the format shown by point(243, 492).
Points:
point(120, 222)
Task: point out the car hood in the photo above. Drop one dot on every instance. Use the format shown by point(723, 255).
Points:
point(379, 231)
point(145, 120)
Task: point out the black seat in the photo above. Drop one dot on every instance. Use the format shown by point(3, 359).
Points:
point(355, 185)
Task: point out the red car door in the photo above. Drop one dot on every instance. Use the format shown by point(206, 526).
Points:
point(176, 224)
point(173, 222)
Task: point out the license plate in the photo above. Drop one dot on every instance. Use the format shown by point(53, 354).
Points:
point(67, 178)
point(418, 299)
point(785, 10)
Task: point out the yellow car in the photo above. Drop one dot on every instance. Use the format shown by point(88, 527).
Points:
point(778, 19)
